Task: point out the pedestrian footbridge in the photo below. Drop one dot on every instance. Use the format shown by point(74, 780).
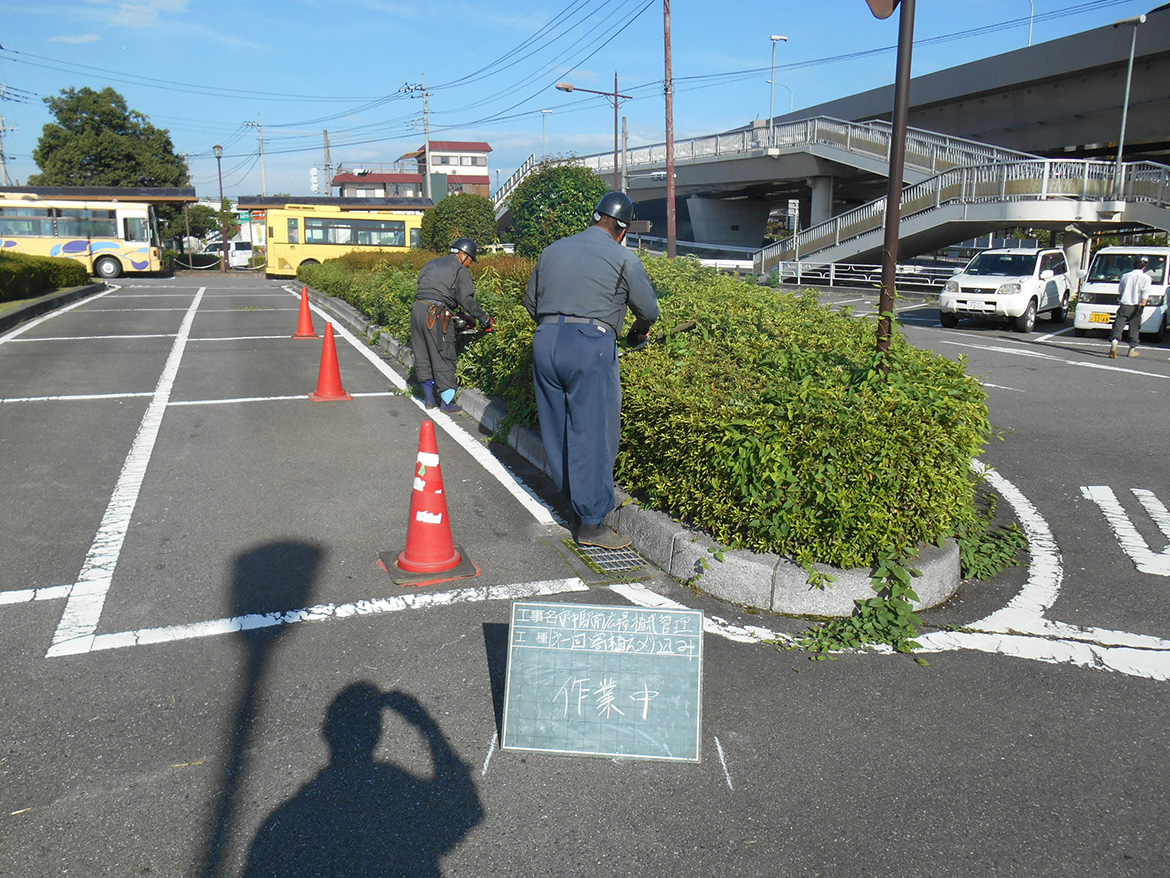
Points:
point(956, 189)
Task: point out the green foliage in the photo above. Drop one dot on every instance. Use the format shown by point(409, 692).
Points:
point(25, 277)
point(98, 141)
point(553, 202)
point(985, 548)
point(888, 617)
point(196, 220)
point(465, 215)
point(771, 426)
point(226, 221)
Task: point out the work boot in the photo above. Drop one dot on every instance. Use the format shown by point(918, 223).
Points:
point(601, 535)
point(1113, 349)
point(1133, 352)
point(428, 389)
point(449, 407)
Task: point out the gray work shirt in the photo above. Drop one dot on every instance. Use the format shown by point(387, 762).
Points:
point(590, 275)
point(446, 280)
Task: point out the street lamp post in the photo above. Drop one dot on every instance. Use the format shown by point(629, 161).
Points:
point(223, 238)
point(616, 98)
point(544, 133)
point(772, 99)
point(1132, 23)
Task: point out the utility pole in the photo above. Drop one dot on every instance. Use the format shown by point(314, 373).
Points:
point(671, 213)
point(259, 126)
point(3, 158)
point(421, 91)
point(328, 167)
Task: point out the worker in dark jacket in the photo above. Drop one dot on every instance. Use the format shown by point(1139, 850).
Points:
point(578, 294)
point(444, 289)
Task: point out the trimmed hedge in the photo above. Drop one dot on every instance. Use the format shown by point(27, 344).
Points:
point(769, 424)
point(25, 277)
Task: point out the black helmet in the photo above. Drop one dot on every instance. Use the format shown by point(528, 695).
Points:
point(464, 245)
point(617, 205)
point(1142, 260)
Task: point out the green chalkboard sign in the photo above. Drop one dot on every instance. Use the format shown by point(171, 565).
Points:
point(604, 681)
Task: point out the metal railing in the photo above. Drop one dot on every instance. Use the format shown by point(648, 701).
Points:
point(1031, 180)
point(926, 151)
point(501, 196)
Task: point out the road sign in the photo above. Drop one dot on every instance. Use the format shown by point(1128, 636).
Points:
point(604, 681)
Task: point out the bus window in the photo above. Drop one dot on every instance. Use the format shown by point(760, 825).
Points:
point(25, 222)
point(75, 223)
point(416, 238)
point(136, 228)
point(294, 232)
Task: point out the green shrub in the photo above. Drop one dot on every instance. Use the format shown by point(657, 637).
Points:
point(553, 202)
point(769, 424)
point(24, 277)
point(465, 215)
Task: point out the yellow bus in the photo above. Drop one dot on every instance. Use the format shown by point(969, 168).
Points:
point(308, 233)
point(110, 231)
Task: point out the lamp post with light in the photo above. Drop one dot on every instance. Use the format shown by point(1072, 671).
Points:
point(223, 242)
point(616, 98)
point(776, 38)
point(1132, 23)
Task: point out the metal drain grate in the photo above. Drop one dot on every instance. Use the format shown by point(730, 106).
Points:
point(607, 560)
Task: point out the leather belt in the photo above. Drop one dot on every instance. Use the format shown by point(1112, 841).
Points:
point(565, 318)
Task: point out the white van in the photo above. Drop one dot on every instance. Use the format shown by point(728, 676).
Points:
point(1097, 302)
point(1012, 284)
point(239, 252)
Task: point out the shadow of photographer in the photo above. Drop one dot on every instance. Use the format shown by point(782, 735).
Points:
point(363, 818)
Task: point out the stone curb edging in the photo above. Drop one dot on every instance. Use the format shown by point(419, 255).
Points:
point(763, 581)
point(44, 304)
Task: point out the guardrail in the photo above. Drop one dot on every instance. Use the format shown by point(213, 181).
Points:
point(1031, 180)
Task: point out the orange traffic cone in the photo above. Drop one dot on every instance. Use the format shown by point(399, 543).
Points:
point(329, 378)
point(305, 325)
point(429, 547)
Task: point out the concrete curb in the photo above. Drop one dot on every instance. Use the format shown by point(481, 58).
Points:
point(37, 307)
point(762, 581)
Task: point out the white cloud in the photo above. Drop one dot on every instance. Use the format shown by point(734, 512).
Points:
point(76, 40)
point(138, 13)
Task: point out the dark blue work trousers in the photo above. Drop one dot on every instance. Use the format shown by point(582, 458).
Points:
point(579, 400)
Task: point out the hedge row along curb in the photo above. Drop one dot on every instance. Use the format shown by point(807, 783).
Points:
point(762, 581)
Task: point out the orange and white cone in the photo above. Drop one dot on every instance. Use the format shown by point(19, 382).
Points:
point(430, 548)
point(329, 377)
point(305, 324)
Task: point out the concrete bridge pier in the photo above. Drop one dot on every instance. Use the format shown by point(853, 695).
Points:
point(821, 203)
point(733, 222)
point(1074, 243)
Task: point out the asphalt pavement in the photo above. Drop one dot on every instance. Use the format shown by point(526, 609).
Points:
point(208, 674)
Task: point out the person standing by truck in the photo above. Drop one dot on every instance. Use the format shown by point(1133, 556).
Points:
point(1134, 289)
point(444, 289)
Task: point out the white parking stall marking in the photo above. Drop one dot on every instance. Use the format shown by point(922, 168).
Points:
point(527, 498)
point(1132, 542)
point(87, 596)
point(37, 321)
point(79, 397)
point(1019, 352)
point(324, 612)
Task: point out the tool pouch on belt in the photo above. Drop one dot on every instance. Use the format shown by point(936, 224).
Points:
point(443, 315)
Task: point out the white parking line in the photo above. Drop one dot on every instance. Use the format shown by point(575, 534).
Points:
point(322, 612)
point(523, 494)
point(87, 596)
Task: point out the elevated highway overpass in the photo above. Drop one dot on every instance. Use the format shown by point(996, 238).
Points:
point(1051, 101)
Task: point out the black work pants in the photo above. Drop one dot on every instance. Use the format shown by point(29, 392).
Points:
point(432, 339)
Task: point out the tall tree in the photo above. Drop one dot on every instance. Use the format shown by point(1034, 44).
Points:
point(554, 201)
point(98, 141)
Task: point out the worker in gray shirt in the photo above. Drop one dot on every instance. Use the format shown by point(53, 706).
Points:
point(444, 289)
point(578, 295)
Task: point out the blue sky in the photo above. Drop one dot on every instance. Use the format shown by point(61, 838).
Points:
point(213, 72)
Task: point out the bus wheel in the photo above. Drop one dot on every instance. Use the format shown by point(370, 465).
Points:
point(108, 267)
point(308, 262)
